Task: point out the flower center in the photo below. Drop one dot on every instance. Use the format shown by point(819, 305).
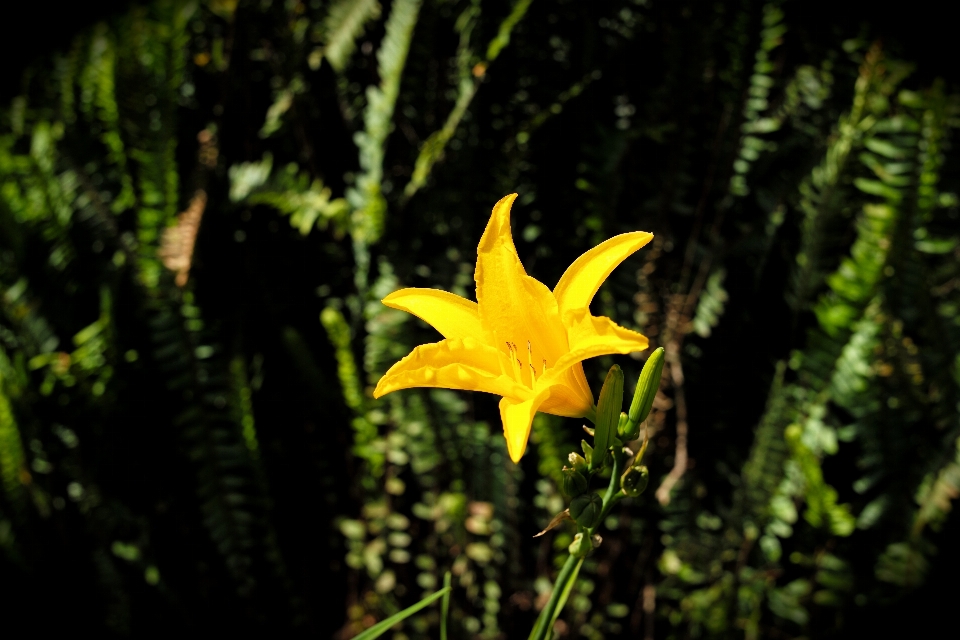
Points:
point(526, 375)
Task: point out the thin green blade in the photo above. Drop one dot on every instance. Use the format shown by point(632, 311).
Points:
point(445, 607)
point(383, 626)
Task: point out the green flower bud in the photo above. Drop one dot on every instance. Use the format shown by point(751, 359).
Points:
point(573, 482)
point(577, 462)
point(634, 480)
point(608, 413)
point(585, 509)
point(627, 430)
point(587, 452)
point(580, 548)
point(647, 388)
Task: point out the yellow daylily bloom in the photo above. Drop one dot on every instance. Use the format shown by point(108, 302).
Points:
point(519, 340)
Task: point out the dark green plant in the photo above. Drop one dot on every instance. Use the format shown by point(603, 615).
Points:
point(201, 205)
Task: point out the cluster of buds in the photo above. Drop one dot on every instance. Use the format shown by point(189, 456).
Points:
point(628, 477)
point(613, 429)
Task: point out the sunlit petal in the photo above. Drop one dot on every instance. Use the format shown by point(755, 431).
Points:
point(579, 283)
point(570, 395)
point(592, 336)
point(513, 306)
point(517, 418)
point(451, 315)
point(497, 233)
point(451, 364)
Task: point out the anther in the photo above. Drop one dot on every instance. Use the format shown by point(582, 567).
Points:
point(544, 367)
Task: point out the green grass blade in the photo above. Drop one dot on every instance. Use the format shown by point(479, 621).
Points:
point(445, 606)
point(382, 627)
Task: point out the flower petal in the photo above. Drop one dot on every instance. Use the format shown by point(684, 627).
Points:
point(592, 336)
point(451, 315)
point(514, 307)
point(579, 283)
point(451, 364)
point(517, 418)
point(570, 397)
point(497, 231)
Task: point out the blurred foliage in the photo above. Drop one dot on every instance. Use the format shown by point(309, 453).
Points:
point(201, 205)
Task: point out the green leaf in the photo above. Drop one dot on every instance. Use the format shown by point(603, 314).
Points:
point(445, 606)
point(936, 245)
point(383, 626)
point(877, 188)
point(884, 148)
point(343, 25)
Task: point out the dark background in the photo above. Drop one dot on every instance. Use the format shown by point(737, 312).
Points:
point(260, 300)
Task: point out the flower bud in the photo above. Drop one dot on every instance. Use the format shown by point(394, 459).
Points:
point(577, 461)
point(608, 413)
point(647, 388)
point(585, 509)
point(573, 482)
point(627, 430)
point(580, 548)
point(587, 452)
point(634, 480)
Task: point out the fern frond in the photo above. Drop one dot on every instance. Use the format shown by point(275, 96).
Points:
point(469, 82)
point(366, 198)
point(12, 459)
point(342, 27)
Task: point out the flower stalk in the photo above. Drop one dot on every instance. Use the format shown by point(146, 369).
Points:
point(628, 477)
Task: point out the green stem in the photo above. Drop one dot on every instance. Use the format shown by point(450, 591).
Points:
point(560, 588)
point(613, 494)
point(571, 568)
point(643, 447)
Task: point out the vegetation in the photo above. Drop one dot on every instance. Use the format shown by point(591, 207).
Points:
point(202, 204)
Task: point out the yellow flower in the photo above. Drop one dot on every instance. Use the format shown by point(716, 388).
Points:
point(519, 340)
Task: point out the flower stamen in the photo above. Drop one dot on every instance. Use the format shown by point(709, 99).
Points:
point(530, 358)
point(515, 361)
